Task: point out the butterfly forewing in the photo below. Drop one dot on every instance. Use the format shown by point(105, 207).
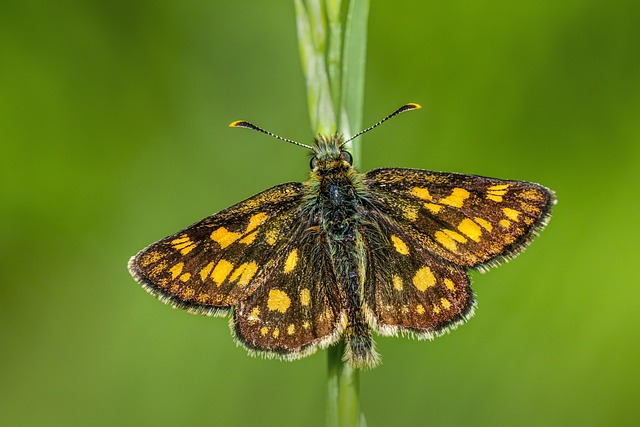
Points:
point(466, 219)
point(207, 267)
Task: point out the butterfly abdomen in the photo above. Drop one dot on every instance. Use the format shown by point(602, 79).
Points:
point(349, 266)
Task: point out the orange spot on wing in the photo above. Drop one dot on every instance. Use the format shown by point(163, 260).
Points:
point(446, 241)
point(424, 279)
point(221, 271)
point(305, 297)
point(278, 301)
point(291, 262)
point(421, 193)
point(244, 272)
point(224, 237)
point(484, 223)
point(471, 229)
point(256, 220)
point(176, 270)
point(401, 247)
point(456, 198)
point(512, 214)
point(397, 282)
point(204, 273)
point(433, 208)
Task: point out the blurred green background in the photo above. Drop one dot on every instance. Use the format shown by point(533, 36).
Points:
point(113, 134)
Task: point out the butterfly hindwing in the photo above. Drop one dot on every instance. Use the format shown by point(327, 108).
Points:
point(408, 289)
point(297, 307)
point(208, 266)
point(468, 220)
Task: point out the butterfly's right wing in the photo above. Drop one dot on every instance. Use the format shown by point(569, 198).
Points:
point(206, 267)
point(296, 309)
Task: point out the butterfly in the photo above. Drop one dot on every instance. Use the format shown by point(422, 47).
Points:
point(302, 266)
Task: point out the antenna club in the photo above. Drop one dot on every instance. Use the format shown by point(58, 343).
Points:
point(412, 106)
point(238, 124)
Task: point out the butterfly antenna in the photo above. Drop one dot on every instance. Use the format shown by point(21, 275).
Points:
point(405, 107)
point(243, 124)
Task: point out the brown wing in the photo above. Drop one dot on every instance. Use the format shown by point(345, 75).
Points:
point(469, 220)
point(408, 289)
point(296, 308)
point(206, 267)
point(426, 229)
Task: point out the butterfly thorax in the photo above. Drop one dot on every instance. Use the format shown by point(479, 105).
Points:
point(333, 189)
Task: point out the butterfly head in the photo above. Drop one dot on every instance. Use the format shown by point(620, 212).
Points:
point(329, 154)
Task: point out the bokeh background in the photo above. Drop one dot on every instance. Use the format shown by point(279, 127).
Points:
point(113, 133)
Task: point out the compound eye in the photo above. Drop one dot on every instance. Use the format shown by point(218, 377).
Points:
point(347, 157)
point(313, 163)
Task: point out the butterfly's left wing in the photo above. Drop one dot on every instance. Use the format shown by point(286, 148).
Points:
point(426, 229)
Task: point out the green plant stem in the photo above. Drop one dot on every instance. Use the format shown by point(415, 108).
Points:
point(310, 20)
point(332, 51)
point(353, 74)
point(343, 391)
